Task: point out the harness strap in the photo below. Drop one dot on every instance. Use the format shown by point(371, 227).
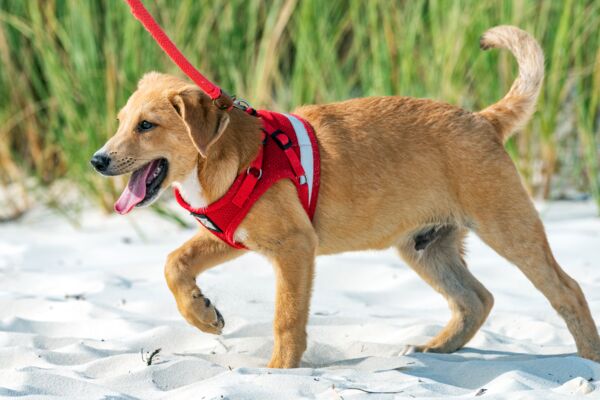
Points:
point(284, 142)
point(253, 174)
point(221, 99)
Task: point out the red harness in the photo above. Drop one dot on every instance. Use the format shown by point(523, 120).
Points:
point(289, 150)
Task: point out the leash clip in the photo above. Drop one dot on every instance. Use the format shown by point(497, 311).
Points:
point(241, 104)
point(224, 101)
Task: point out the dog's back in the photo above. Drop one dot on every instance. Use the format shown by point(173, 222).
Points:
point(412, 159)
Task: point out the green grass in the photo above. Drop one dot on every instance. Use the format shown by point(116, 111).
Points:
point(66, 67)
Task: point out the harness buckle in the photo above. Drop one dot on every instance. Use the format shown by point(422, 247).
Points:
point(254, 171)
point(284, 144)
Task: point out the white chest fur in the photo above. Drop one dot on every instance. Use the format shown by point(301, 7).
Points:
point(191, 190)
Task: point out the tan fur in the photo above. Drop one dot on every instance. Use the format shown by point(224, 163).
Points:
point(391, 169)
point(515, 109)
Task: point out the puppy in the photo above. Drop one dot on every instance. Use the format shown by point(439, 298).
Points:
point(413, 174)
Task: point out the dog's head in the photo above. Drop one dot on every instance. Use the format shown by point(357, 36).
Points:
point(157, 127)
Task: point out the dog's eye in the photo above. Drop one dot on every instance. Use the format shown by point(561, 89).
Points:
point(145, 126)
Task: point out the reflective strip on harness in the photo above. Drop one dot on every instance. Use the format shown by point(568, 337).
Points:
point(306, 152)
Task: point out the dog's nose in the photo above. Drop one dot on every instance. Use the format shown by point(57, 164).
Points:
point(100, 161)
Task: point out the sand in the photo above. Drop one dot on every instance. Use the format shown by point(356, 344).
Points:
point(81, 309)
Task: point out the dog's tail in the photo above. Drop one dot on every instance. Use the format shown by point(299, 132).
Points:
point(515, 109)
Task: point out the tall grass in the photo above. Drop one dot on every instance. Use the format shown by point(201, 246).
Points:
point(68, 65)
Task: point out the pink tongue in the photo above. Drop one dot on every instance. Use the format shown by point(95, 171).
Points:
point(135, 191)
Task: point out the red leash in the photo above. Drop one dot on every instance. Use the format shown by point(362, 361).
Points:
point(220, 98)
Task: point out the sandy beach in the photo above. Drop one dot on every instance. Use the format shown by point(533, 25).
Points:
point(82, 309)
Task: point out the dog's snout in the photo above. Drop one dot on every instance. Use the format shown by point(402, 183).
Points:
point(100, 161)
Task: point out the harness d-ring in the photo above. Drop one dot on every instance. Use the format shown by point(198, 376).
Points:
point(258, 175)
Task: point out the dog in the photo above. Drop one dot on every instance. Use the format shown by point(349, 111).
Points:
point(414, 174)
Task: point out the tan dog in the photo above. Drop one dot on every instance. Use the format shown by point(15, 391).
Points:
point(395, 171)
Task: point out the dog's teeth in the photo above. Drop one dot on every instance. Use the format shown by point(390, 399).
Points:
point(154, 175)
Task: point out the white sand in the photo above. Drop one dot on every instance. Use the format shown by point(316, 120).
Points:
point(366, 307)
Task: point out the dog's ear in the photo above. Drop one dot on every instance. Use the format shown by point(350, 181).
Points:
point(205, 122)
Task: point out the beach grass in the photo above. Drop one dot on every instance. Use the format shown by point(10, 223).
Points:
point(67, 66)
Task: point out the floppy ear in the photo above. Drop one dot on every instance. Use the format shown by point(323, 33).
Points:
point(205, 122)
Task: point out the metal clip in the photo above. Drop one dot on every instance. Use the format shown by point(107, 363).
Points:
point(258, 174)
point(241, 104)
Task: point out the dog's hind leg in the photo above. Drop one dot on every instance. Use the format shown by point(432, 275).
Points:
point(512, 227)
point(436, 254)
point(184, 265)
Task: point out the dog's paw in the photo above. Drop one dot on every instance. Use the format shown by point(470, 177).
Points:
point(201, 313)
point(428, 348)
point(283, 363)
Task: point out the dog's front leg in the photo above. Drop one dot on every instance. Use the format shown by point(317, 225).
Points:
point(183, 265)
point(293, 261)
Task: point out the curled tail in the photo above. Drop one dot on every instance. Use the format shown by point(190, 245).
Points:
point(515, 109)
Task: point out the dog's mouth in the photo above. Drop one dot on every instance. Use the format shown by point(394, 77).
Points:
point(143, 186)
